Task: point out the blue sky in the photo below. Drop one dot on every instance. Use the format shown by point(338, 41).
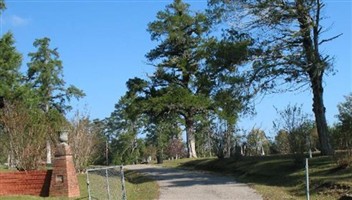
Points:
point(102, 44)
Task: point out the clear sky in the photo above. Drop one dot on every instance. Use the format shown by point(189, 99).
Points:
point(102, 44)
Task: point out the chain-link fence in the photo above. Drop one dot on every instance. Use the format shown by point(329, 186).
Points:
point(106, 183)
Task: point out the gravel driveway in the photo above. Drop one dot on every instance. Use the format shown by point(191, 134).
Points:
point(178, 184)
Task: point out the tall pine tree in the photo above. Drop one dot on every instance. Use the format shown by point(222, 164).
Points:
point(180, 35)
point(191, 66)
point(289, 34)
point(10, 62)
point(45, 77)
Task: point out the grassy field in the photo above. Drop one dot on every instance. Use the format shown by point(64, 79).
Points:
point(137, 187)
point(280, 177)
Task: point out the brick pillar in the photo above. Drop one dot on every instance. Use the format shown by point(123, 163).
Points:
point(64, 181)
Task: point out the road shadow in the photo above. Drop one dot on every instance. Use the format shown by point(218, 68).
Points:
point(183, 178)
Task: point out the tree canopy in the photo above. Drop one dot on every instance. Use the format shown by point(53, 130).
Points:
point(10, 62)
point(45, 76)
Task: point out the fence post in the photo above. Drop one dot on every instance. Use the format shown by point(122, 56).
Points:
point(107, 183)
point(124, 196)
point(88, 186)
point(307, 179)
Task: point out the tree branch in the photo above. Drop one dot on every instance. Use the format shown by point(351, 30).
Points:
point(327, 40)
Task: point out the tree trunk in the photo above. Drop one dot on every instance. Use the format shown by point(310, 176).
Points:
point(191, 140)
point(9, 161)
point(159, 157)
point(228, 142)
point(310, 38)
point(48, 152)
point(48, 145)
point(320, 119)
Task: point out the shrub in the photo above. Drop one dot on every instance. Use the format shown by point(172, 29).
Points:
point(24, 133)
point(343, 160)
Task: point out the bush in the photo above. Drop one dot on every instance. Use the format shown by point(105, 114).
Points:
point(299, 160)
point(24, 134)
point(86, 141)
point(175, 149)
point(344, 160)
point(342, 133)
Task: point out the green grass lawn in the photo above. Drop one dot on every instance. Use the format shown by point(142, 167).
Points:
point(279, 177)
point(138, 187)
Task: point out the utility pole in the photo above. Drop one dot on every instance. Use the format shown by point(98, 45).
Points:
point(107, 152)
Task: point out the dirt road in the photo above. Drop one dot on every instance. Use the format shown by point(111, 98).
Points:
point(189, 185)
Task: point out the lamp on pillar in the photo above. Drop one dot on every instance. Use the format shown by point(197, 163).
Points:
point(63, 136)
point(64, 181)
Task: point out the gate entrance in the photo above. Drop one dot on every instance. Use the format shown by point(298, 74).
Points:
point(106, 183)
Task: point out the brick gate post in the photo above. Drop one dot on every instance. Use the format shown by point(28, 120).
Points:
point(64, 182)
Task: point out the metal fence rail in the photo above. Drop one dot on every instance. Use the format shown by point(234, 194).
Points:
point(106, 183)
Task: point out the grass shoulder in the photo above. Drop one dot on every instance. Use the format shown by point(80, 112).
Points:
point(279, 177)
point(139, 186)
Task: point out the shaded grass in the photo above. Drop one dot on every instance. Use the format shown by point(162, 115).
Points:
point(140, 187)
point(137, 187)
point(279, 177)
